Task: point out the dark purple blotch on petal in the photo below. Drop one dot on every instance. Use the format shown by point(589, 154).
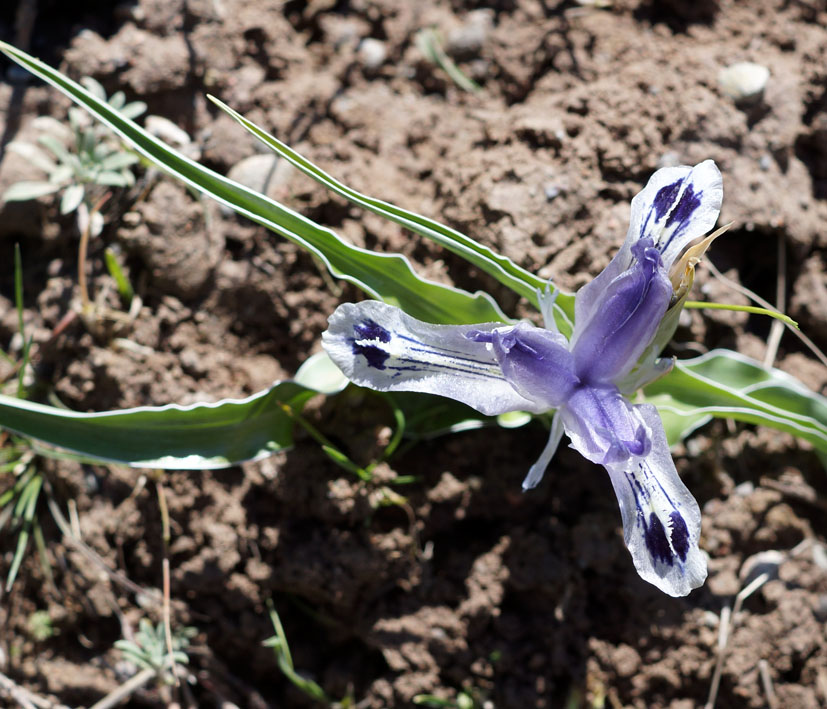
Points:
point(679, 535)
point(689, 202)
point(371, 330)
point(375, 356)
point(656, 542)
point(665, 198)
point(684, 209)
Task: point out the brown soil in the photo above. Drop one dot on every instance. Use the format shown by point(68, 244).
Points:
point(523, 600)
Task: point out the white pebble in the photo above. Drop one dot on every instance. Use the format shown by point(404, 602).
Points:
point(372, 53)
point(744, 81)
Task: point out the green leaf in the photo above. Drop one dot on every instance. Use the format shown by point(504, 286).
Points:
point(29, 189)
point(94, 87)
point(133, 109)
point(726, 384)
point(116, 100)
point(118, 161)
point(428, 415)
point(110, 178)
point(63, 173)
point(319, 372)
point(706, 305)
point(514, 419)
point(33, 155)
point(198, 436)
point(54, 146)
point(388, 277)
point(125, 290)
point(508, 273)
point(71, 199)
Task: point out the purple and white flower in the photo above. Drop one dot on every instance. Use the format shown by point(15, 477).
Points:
point(586, 379)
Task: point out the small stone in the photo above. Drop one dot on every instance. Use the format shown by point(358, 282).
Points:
point(266, 173)
point(551, 192)
point(745, 489)
point(820, 609)
point(467, 40)
point(744, 81)
point(372, 53)
point(178, 138)
point(764, 562)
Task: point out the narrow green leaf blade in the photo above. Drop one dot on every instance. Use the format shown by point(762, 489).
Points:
point(503, 269)
point(388, 277)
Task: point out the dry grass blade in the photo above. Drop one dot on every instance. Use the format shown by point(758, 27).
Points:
point(127, 689)
point(90, 554)
point(24, 698)
point(777, 327)
point(727, 625)
point(766, 681)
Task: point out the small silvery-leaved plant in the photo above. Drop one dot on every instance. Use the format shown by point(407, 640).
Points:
point(148, 650)
point(587, 379)
point(81, 161)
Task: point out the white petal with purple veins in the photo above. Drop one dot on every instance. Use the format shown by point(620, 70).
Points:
point(677, 206)
point(378, 346)
point(661, 519)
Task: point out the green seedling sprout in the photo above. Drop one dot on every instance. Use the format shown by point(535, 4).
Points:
point(429, 42)
point(285, 661)
point(39, 626)
point(466, 699)
point(18, 503)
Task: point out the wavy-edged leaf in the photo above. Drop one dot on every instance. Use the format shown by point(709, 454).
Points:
point(508, 273)
point(199, 436)
point(726, 384)
point(388, 277)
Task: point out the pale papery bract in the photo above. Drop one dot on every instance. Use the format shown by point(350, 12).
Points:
point(496, 368)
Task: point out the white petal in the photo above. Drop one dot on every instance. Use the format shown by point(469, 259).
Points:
point(677, 206)
point(661, 519)
point(536, 471)
point(380, 347)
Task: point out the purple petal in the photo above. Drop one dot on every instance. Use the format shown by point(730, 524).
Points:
point(535, 361)
point(380, 347)
point(603, 426)
point(625, 318)
point(661, 519)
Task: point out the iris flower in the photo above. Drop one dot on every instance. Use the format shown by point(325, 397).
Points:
point(587, 379)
